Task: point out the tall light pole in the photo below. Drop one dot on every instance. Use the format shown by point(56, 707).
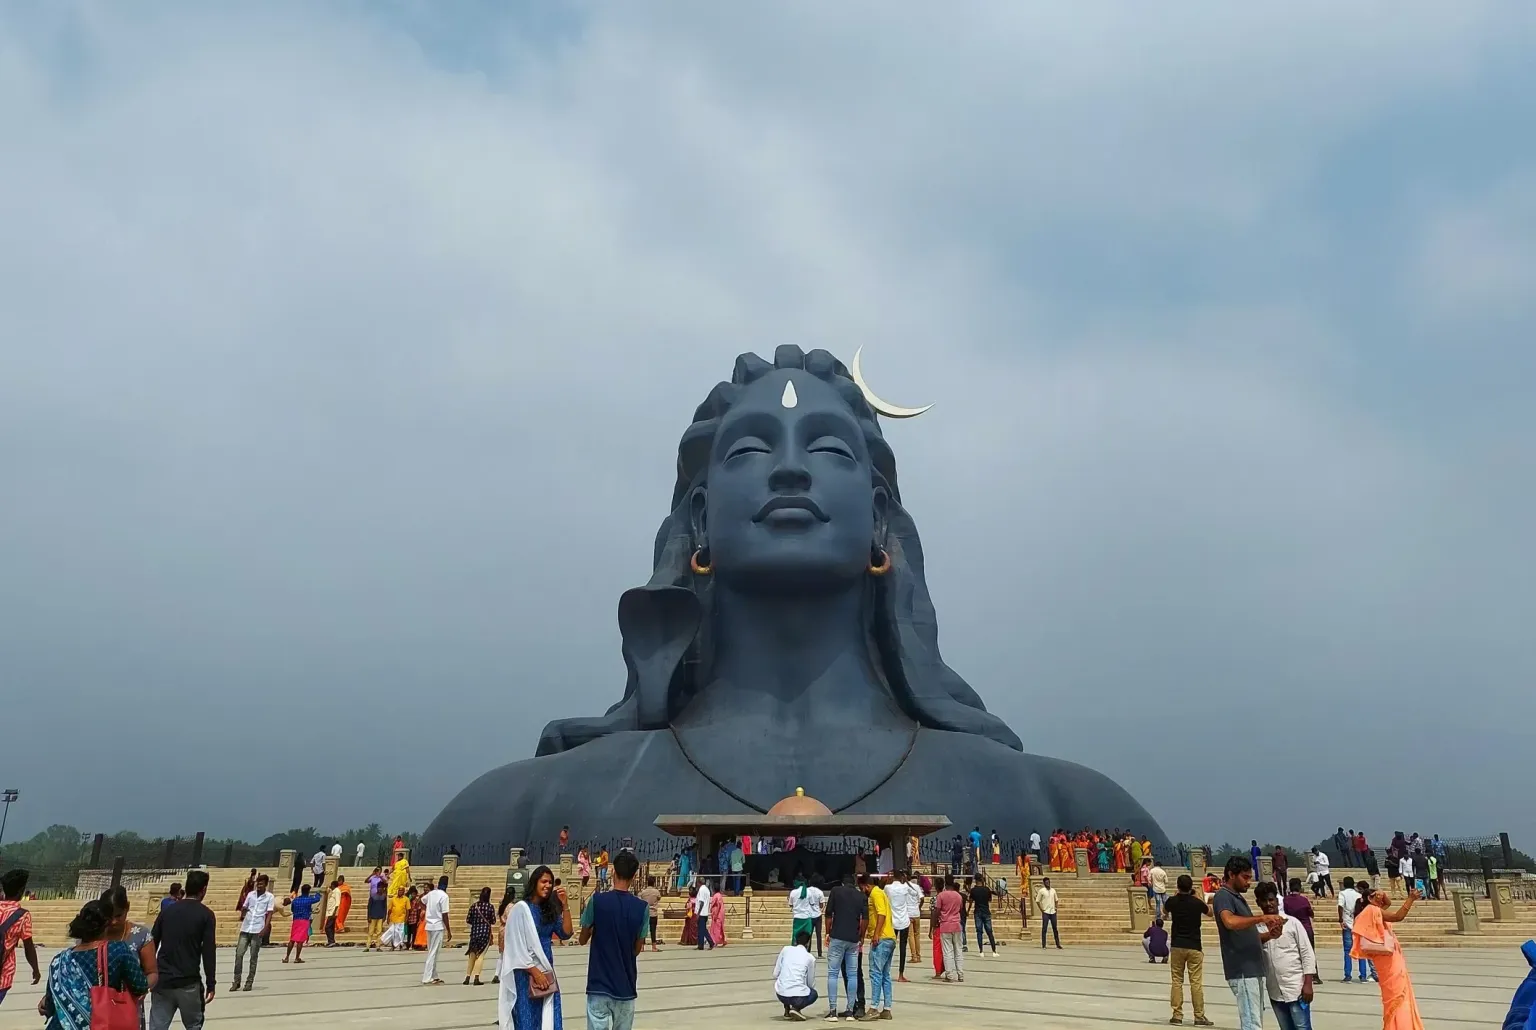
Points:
point(8, 797)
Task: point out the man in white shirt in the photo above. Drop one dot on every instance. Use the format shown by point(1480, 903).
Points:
point(1348, 898)
point(1034, 846)
point(255, 923)
point(1157, 888)
point(438, 932)
point(805, 908)
point(701, 907)
point(1045, 901)
point(361, 849)
point(915, 914)
point(336, 852)
point(793, 974)
point(898, 892)
point(1290, 965)
point(1321, 866)
point(317, 866)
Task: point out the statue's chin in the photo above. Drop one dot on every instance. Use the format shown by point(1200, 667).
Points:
point(790, 575)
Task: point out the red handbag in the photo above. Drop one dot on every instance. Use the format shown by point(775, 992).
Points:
point(111, 1010)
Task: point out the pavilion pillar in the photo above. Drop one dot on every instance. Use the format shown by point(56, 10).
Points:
point(704, 844)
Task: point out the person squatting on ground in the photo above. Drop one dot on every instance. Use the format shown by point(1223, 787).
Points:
point(794, 973)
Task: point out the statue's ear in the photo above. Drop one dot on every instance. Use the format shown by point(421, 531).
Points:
point(698, 506)
point(658, 625)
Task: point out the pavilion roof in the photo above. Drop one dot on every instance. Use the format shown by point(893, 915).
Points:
point(802, 825)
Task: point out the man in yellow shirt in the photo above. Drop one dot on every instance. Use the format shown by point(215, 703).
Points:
point(882, 948)
point(399, 906)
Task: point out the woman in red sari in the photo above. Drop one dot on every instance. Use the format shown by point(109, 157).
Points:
point(691, 920)
point(1375, 940)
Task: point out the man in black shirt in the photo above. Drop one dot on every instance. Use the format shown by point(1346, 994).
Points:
point(847, 916)
point(184, 938)
point(981, 914)
point(965, 913)
point(1185, 909)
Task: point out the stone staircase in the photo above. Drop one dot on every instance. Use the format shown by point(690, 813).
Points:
point(1092, 910)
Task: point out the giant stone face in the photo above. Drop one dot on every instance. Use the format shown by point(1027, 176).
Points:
point(791, 502)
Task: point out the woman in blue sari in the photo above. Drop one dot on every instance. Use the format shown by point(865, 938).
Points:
point(684, 870)
point(528, 955)
point(74, 972)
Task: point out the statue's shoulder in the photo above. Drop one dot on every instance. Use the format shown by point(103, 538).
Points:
point(978, 782)
point(616, 784)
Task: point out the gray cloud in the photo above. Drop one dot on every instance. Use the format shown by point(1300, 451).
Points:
point(345, 361)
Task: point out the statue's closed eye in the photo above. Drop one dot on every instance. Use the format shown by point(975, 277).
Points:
point(830, 445)
point(747, 445)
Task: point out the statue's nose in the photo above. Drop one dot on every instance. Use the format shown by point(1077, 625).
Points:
point(789, 475)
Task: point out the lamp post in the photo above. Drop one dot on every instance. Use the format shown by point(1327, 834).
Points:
point(8, 797)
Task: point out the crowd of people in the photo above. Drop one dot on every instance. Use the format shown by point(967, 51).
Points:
point(1118, 851)
point(868, 926)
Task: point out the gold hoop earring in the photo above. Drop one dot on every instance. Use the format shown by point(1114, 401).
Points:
point(883, 567)
point(700, 568)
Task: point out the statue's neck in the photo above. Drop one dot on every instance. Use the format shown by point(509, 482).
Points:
point(806, 653)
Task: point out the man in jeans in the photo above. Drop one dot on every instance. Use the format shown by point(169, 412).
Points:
point(614, 923)
point(882, 948)
point(981, 915)
point(1290, 965)
point(1242, 946)
point(847, 917)
point(1348, 898)
point(1045, 901)
point(438, 931)
point(255, 923)
point(946, 911)
point(1185, 953)
point(1157, 888)
point(184, 936)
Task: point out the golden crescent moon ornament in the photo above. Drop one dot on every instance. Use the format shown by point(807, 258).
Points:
point(881, 407)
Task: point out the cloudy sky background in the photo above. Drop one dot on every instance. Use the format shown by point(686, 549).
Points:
point(344, 351)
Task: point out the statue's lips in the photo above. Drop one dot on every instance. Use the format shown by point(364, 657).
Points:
point(790, 510)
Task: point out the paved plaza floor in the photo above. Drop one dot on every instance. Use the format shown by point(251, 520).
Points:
point(680, 988)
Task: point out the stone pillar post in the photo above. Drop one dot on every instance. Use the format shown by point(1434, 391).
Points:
point(285, 863)
point(1141, 909)
point(451, 869)
point(516, 858)
point(1266, 870)
point(1081, 856)
point(1197, 866)
point(1502, 893)
point(1465, 904)
point(746, 896)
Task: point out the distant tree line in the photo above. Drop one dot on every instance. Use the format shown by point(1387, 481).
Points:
point(67, 847)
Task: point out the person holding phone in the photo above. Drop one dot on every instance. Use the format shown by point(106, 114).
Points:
point(1374, 940)
point(530, 993)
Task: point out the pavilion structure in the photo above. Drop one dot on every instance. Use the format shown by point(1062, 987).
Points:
point(804, 817)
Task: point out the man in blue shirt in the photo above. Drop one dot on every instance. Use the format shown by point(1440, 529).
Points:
point(614, 923)
point(976, 851)
point(303, 911)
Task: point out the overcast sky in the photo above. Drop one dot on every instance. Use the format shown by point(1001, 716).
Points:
point(345, 349)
